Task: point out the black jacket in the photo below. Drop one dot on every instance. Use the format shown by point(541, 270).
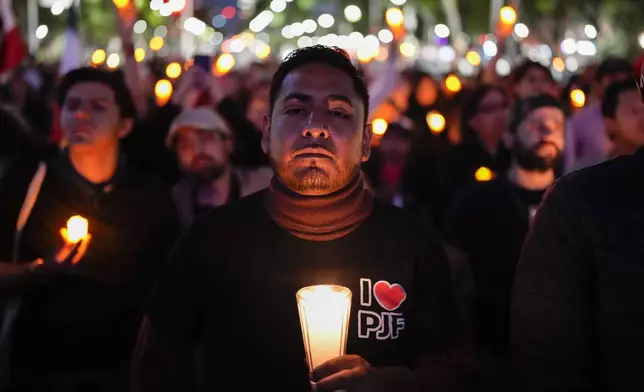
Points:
point(578, 306)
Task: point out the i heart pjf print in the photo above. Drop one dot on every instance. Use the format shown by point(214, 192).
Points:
point(374, 323)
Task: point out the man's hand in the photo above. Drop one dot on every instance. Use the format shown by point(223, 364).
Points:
point(65, 258)
point(348, 372)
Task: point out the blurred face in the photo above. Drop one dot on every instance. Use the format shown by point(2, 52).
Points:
point(316, 135)
point(258, 107)
point(90, 118)
point(203, 155)
point(491, 119)
point(535, 82)
point(540, 139)
point(627, 127)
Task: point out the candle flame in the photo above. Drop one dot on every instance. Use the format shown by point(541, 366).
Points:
point(77, 229)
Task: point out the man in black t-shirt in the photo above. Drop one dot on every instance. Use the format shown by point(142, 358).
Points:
point(487, 223)
point(229, 295)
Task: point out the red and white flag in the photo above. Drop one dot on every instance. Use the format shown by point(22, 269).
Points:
point(12, 48)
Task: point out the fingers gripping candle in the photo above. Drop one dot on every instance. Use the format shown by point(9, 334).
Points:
point(324, 317)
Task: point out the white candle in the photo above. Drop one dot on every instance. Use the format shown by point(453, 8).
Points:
point(324, 317)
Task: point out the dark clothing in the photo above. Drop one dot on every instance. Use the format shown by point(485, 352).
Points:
point(577, 314)
point(248, 139)
point(86, 322)
point(489, 222)
point(145, 146)
point(462, 163)
point(232, 285)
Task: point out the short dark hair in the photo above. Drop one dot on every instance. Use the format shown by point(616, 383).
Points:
point(329, 55)
point(522, 70)
point(523, 107)
point(611, 66)
point(610, 100)
point(112, 79)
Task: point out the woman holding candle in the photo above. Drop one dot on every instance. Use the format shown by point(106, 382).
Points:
point(230, 289)
point(81, 309)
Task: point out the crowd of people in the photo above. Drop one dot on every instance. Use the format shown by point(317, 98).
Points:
point(206, 213)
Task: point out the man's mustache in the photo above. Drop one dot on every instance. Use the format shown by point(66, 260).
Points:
point(203, 158)
point(313, 148)
point(545, 143)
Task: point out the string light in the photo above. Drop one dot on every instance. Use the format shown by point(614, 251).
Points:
point(139, 54)
point(173, 70)
point(98, 57)
point(453, 84)
point(156, 43)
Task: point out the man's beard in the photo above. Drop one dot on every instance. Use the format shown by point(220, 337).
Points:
point(528, 159)
point(311, 180)
point(207, 173)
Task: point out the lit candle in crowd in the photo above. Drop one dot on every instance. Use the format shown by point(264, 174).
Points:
point(324, 317)
point(77, 229)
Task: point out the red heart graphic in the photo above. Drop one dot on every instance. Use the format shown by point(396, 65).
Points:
point(389, 296)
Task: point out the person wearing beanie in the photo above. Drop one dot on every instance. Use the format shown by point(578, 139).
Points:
point(577, 310)
point(487, 225)
point(229, 295)
point(70, 321)
point(203, 143)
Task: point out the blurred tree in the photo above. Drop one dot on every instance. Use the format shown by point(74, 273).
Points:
point(619, 22)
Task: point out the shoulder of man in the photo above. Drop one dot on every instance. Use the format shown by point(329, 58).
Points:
point(235, 218)
point(608, 177)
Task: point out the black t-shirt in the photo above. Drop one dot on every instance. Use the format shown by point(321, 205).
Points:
point(489, 221)
point(234, 276)
point(465, 159)
point(89, 320)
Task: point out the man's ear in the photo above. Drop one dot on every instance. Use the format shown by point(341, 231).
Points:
point(366, 142)
point(126, 127)
point(266, 134)
point(611, 127)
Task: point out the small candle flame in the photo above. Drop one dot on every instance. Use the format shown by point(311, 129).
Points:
point(77, 229)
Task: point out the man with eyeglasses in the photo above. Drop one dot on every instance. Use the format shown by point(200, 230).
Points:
point(577, 313)
point(488, 222)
